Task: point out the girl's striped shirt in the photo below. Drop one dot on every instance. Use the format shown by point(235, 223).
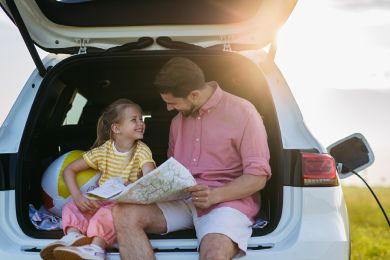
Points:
point(113, 164)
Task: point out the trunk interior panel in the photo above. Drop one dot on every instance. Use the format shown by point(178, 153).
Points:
point(90, 13)
point(58, 124)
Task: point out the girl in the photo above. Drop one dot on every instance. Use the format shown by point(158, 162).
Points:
point(117, 152)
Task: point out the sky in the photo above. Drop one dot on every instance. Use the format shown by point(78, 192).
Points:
point(334, 54)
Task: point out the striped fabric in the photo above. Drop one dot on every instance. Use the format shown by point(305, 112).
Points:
point(113, 164)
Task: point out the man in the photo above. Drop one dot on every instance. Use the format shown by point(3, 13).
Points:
point(221, 139)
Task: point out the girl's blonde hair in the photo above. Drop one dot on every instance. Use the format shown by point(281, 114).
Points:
point(111, 115)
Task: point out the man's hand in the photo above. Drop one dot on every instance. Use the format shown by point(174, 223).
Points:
point(86, 205)
point(241, 187)
point(202, 196)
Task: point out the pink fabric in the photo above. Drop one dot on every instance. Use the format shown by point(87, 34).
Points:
point(224, 140)
point(100, 224)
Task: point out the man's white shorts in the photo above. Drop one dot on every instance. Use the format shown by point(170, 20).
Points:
point(230, 222)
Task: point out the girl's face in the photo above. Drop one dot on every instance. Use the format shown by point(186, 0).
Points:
point(131, 125)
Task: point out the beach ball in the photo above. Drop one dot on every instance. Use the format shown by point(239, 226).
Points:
point(55, 192)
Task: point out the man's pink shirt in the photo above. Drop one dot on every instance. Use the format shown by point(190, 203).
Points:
point(225, 139)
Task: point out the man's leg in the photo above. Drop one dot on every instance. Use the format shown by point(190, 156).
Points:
point(217, 246)
point(131, 224)
point(223, 233)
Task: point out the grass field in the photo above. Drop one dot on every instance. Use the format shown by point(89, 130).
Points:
point(369, 230)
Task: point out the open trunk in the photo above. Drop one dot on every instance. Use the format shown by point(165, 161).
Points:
point(75, 91)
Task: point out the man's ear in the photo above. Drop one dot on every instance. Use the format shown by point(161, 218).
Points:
point(194, 95)
point(115, 128)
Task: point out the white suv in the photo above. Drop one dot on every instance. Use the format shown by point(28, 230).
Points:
point(104, 50)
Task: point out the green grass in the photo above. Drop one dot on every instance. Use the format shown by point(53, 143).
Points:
point(370, 233)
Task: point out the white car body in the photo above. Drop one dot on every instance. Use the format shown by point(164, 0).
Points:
point(313, 222)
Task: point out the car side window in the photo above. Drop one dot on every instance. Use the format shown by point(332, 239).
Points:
point(74, 114)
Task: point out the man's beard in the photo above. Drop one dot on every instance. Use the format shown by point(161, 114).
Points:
point(190, 111)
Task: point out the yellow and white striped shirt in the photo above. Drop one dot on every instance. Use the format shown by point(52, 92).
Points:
point(114, 164)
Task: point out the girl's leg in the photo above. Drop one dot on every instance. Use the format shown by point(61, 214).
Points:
point(101, 226)
point(73, 220)
point(100, 242)
point(75, 223)
point(72, 230)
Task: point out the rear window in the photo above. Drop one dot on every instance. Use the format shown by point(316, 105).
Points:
point(92, 13)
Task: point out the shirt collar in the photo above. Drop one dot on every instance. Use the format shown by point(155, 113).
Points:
point(213, 100)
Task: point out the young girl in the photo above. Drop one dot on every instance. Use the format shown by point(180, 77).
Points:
point(117, 152)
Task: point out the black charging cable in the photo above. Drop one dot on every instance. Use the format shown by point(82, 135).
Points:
point(373, 194)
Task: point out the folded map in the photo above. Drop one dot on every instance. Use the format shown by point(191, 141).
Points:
point(166, 182)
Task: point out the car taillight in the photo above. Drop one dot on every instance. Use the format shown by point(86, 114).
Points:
point(319, 170)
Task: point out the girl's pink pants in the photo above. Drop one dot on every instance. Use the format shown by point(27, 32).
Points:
point(97, 224)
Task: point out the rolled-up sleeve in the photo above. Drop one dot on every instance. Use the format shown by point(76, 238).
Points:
point(254, 146)
point(145, 155)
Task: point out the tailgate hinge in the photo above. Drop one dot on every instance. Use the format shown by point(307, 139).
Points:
point(83, 45)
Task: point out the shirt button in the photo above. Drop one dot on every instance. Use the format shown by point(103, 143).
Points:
point(194, 159)
point(198, 117)
point(208, 111)
point(197, 139)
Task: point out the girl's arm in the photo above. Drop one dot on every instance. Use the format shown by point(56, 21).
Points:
point(148, 167)
point(69, 174)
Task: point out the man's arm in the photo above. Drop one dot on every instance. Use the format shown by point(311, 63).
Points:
point(172, 138)
point(243, 186)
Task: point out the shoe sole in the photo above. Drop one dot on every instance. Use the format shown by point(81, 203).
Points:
point(64, 254)
point(47, 252)
point(60, 254)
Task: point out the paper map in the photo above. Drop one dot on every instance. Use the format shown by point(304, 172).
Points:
point(166, 182)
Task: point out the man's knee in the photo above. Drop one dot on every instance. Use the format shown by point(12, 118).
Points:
point(127, 215)
point(217, 246)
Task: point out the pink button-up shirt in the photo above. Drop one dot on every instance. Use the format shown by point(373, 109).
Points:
point(225, 139)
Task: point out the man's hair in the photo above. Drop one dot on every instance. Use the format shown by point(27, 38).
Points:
point(179, 76)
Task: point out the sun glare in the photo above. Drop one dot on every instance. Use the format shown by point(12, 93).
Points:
point(336, 60)
point(336, 42)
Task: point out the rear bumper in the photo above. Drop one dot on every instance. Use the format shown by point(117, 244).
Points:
point(315, 226)
point(305, 250)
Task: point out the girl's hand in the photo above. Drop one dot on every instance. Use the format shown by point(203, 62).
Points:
point(86, 205)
